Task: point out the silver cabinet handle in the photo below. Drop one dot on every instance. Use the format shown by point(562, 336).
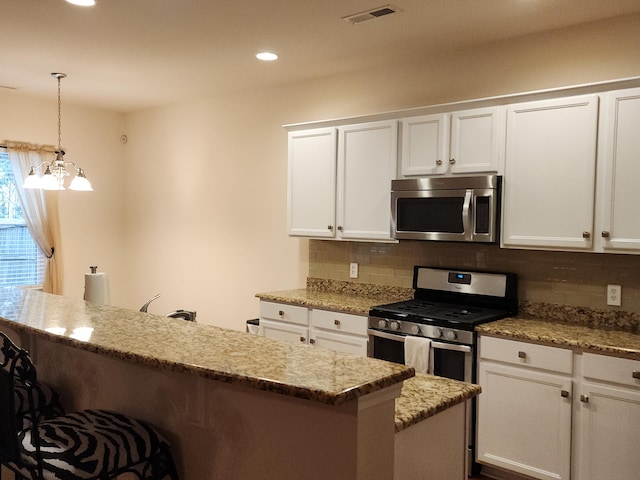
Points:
point(340, 227)
point(330, 227)
point(336, 322)
point(438, 162)
point(564, 393)
point(452, 161)
point(584, 398)
point(312, 341)
point(605, 234)
point(636, 374)
point(303, 339)
point(586, 234)
point(280, 313)
point(522, 354)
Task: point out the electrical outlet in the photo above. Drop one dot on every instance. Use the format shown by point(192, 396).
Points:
point(353, 270)
point(614, 295)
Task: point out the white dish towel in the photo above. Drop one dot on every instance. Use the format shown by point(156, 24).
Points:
point(417, 354)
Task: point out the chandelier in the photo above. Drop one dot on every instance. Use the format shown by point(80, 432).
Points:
point(57, 170)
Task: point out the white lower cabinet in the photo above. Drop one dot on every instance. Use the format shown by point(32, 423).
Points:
point(608, 419)
point(289, 323)
point(524, 411)
point(341, 332)
point(548, 413)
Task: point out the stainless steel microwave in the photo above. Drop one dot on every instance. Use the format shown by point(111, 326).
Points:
point(453, 209)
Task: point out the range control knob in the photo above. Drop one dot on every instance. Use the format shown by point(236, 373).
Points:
point(415, 329)
point(450, 335)
point(437, 332)
point(394, 325)
point(382, 323)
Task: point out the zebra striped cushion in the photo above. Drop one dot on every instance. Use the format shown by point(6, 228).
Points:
point(83, 445)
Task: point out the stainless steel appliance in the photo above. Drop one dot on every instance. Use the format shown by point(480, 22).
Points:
point(455, 209)
point(446, 307)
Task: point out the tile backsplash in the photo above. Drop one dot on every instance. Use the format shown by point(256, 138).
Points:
point(569, 278)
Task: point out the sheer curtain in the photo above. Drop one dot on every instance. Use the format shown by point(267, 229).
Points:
point(40, 209)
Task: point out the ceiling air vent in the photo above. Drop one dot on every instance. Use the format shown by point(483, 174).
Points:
point(370, 14)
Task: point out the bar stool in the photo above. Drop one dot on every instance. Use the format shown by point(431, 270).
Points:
point(85, 445)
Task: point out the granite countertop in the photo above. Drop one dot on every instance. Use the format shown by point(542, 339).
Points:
point(595, 339)
point(230, 356)
point(426, 395)
point(348, 297)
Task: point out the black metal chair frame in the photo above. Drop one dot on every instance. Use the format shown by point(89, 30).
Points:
point(16, 367)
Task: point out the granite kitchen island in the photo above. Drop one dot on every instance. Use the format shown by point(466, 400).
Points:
point(232, 405)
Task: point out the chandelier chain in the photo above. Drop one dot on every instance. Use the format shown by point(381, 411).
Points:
point(59, 117)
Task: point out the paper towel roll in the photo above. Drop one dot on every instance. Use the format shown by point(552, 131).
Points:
point(96, 288)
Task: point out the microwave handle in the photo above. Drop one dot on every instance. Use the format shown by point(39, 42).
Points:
point(467, 214)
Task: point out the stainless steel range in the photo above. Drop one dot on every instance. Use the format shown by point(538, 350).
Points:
point(446, 307)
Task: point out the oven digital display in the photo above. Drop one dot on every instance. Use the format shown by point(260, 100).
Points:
point(463, 278)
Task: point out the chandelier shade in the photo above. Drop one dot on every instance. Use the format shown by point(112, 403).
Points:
point(56, 171)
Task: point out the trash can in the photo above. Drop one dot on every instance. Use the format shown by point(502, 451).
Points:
point(253, 326)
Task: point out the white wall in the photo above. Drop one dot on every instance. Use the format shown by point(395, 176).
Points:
point(200, 216)
point(207, 227)
point(91, 223)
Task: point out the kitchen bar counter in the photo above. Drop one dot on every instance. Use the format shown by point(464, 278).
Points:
point(595, 339)
point(215, 353)
point(424, 396)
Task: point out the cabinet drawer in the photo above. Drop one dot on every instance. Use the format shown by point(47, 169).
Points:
point(611, 369)
point(338, 322)
point(527, 354)
point(284, 313)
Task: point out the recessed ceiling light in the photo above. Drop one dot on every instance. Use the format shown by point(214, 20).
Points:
point(83, 3)
point(267, 56)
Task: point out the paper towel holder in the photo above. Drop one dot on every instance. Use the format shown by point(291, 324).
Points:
point(93, 268)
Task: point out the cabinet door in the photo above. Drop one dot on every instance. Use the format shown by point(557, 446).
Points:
point(609, 432)
point(367, 159)
point(550, 173)
point(425, 145)
point(477, 140)
point(312, 182)
point(285, 332)
point(340, 342)
point(621, 221)
point(524, 421)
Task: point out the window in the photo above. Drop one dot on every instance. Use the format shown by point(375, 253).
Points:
point(21, 261)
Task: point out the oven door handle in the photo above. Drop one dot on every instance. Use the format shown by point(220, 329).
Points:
point(434, 344)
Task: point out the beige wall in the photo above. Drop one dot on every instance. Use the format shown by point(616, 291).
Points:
point(201, 216)
point(91, 223)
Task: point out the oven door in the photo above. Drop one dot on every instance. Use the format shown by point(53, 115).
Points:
point(450, 360)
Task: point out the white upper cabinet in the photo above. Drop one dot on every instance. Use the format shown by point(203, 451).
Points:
point(340, 181)
point(549, 178)
point(620, 170)
point(464, 142)
point(367, 160)
point(311, 201)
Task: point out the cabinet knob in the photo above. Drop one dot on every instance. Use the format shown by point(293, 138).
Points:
point(584, 398)
point(330, 227)
point(452, 161)
point(280, 313)
point(586, 234)
point(303, 339)
point(636, 374)
point(312, 341)
point(522, 354)
point(605, 234)
point(438, 162)
point(564, 393)
point(340, 228)
point(336, 322)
